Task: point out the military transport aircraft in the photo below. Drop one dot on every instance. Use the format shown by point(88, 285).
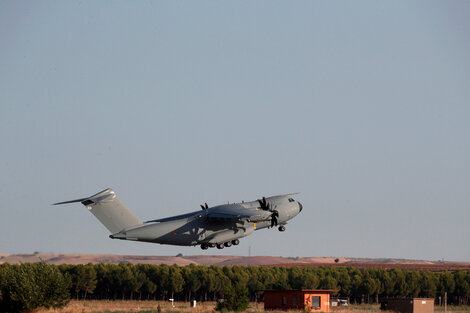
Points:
point(219, 226)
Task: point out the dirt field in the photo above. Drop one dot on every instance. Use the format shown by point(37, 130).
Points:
point(91, 306)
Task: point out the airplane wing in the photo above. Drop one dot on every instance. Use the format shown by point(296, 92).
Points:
point(230, 212)
point(173, 218)
point(237, 212)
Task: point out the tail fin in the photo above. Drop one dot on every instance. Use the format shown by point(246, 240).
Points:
point(109, 210)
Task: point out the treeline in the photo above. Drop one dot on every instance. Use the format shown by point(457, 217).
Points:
point(203, 283)
point(208, 283)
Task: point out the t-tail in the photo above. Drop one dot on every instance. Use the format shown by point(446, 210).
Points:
point(109, 210)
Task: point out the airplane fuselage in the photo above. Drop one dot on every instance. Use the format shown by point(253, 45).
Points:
point(196, 228)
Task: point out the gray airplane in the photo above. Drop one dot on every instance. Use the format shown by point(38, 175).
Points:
point(219, 226)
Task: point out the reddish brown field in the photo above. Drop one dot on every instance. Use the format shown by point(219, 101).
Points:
point(434, 267)
point(222, 260)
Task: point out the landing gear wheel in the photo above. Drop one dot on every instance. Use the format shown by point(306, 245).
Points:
point(204, 246)
point(220, 246)
point(228, 244)
point(212, 245)
point(282, 228)
point(235, 242)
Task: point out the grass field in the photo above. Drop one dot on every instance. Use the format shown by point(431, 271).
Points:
point(106, 306)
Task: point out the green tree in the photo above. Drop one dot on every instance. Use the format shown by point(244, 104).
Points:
point(192, 280)
point(462, 287)
point(83, 278)
point(413, 281)
point(344, 282)
point(399, 281)
point(369, 285)
point(236, 299)
point(130, 279)
point(446, 283)
point(428, 284)
point(30, 286)
point(176, 281)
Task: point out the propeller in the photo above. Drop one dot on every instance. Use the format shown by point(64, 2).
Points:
point(263, 204)
point(274, 217)
point(267, 207)
point(205, 206)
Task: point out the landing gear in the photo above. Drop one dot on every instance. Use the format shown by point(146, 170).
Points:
point(282, 228)
point(206, 245)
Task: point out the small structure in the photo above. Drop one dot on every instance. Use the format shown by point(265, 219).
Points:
point(408, 305)
point(304, 299)
point(339, 302)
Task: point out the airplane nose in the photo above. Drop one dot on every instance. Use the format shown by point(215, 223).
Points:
point(300, 207)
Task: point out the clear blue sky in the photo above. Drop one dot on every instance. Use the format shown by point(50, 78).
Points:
point(363, 107)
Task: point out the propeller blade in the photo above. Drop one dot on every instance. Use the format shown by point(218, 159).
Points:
point(274, 216)
point(262, 204)
point(206, 205)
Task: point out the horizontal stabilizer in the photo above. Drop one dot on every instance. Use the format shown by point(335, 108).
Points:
point(71, 201)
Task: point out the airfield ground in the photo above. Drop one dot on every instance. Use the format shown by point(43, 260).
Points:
point(106, 306)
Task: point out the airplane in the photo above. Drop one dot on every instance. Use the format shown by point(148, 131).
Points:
point(219, 226)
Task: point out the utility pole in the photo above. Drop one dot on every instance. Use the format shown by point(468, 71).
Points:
point(445, 302)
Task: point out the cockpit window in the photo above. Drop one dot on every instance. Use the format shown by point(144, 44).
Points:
point(291, 200)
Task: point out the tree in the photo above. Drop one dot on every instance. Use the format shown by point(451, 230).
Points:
point(462, 287)
point(428, 285)
point(369, 285)
point(446, 284)
point(30, 286)
point(401, 286)
point(83, 278)
point(130, 279)
point(236, 299)
point(412, 280)
point(192, 280)
point(176, 281)
point(328, 282)
point(344, 282)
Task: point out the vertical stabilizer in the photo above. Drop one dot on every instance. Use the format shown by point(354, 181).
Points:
point(109, 210)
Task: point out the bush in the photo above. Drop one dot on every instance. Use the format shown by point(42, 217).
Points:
point(29, 286)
